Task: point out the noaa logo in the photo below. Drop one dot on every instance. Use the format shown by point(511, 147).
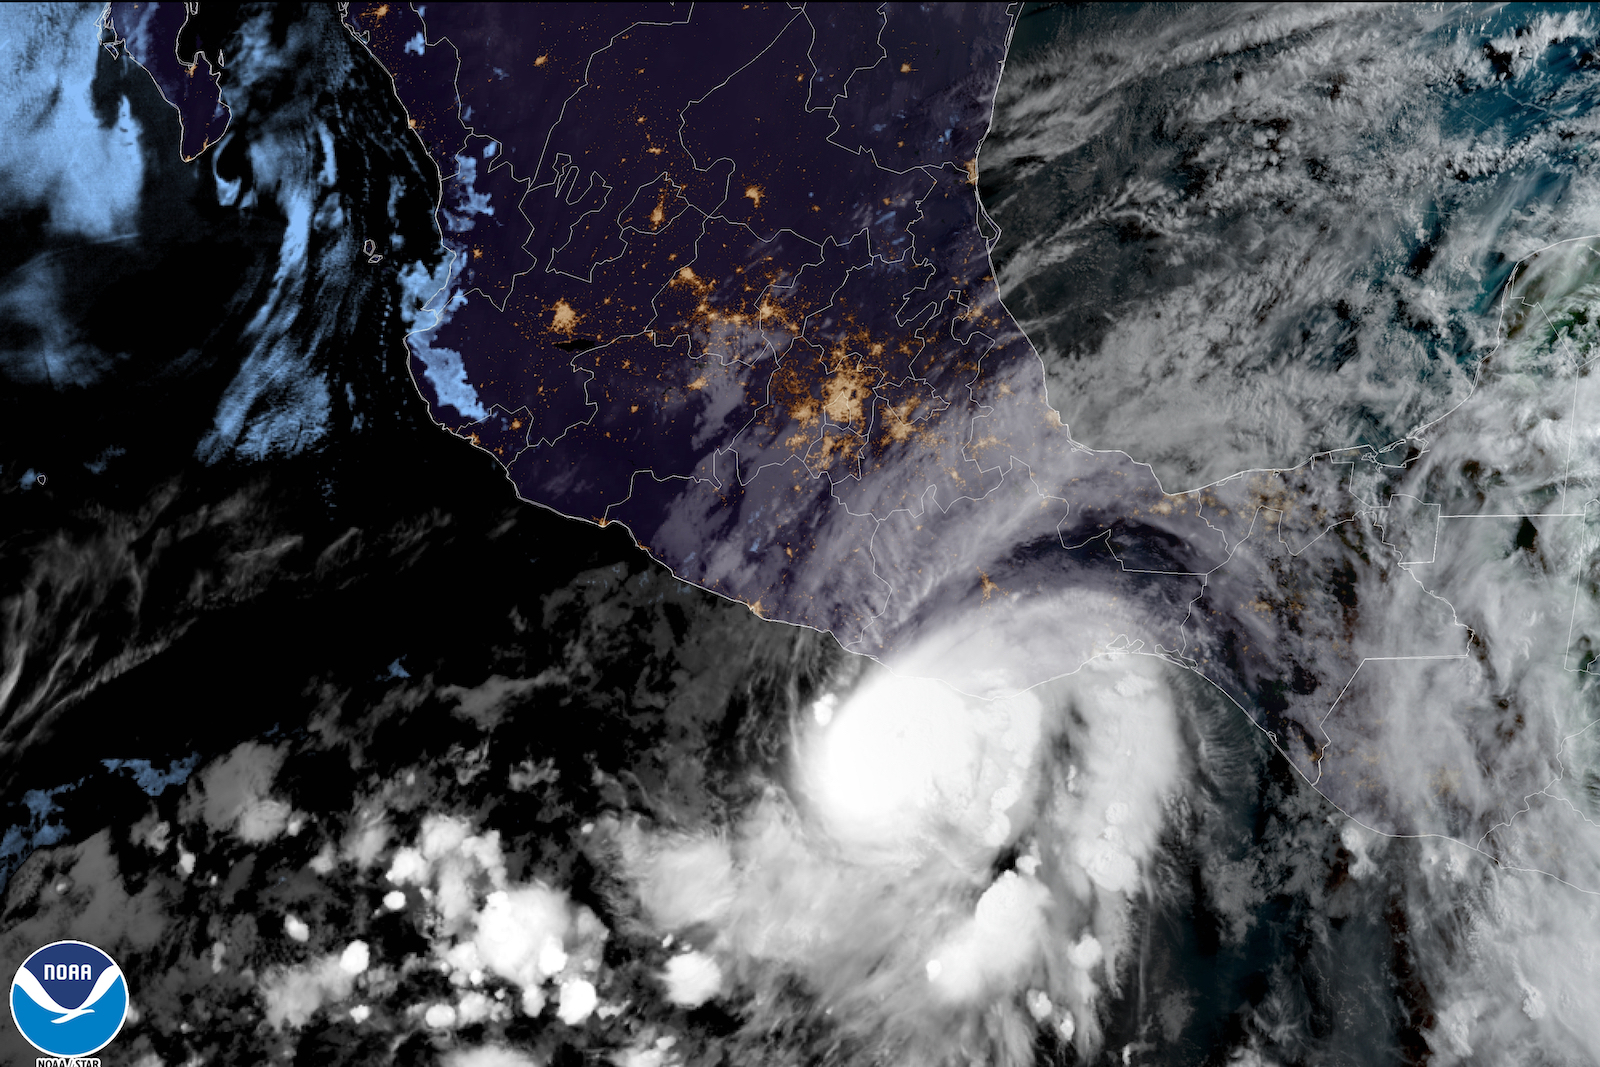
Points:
point(69, 999)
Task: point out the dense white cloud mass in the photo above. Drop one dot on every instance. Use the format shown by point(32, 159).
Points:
point(488, 1057)
point(876, 880)
point(692, 978)
point(294, 994)
point(236, 793)
point(77, 159)
point(527, 934)
point(906, 755)
point(85, 168)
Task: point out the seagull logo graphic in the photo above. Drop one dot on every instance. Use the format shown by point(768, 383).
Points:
point(69, 999)
point(36, 993)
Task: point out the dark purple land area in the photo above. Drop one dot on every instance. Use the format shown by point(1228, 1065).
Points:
point(715, 270)
point(720, 273)
point(153, 34)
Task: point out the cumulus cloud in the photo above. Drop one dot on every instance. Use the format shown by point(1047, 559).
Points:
point(684, 881)
point(999, 941)
point(292, 995)
point(486, 704)
point(528, 934)
point(692, 978)
point(366, 840)
point(455, 863)
point(354, 959)
point(521, 934)
point(577, 1002)
point(488, 1056)
point(235, 793)
point(1127, 761)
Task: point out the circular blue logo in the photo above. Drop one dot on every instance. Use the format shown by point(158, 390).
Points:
point(69, 999)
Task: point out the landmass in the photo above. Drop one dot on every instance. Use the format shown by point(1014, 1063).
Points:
point(158, 37)
point(722, 275)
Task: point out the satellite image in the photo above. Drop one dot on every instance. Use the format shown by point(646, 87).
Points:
point(772, 535)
